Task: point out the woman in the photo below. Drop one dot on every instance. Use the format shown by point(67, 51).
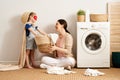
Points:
point(63, 56)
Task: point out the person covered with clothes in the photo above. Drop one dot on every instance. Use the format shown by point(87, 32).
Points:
point(62, 50)
point(29, 19)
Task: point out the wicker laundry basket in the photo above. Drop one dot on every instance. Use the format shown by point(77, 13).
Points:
point(98, 17)
point(43, 43)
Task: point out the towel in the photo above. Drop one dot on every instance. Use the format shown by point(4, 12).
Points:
point(53, 37)
point(6, 67)
point(21, 62)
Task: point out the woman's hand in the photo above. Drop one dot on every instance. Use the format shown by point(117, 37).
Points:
point(53, 48)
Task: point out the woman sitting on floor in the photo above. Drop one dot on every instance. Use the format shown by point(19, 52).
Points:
point(62, 51)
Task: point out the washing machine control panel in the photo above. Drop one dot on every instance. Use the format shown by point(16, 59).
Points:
point(93, 25)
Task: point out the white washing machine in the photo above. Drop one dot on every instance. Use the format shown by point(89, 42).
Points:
point(93, 44)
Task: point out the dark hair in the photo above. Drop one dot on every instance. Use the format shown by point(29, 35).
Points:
point(30, 15)
point(64, 23)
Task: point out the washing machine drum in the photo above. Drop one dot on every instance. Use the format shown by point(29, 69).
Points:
point(93, 41)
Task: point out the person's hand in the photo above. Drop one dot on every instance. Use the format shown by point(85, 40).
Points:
point(53, 48)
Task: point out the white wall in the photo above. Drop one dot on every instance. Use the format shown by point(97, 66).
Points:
point(48, 11)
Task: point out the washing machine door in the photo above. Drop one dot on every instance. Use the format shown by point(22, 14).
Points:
point(93, 41)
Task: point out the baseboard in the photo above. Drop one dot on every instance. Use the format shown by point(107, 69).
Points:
point(8, 62)
point(15, 62)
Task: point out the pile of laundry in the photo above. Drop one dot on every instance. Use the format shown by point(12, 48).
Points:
point(56, 70)
point(91, 72)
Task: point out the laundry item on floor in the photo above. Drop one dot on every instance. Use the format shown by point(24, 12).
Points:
point(56, 69)
point(91, 72)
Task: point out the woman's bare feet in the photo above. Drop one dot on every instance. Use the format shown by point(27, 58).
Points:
point(68, 68)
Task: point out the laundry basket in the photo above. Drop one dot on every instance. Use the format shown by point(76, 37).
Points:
point(98, 17)
point(43, 43)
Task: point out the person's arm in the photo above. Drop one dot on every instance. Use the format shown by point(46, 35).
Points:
point(53, 48)
point(31, 30)
point(40, 31)
point(69, 44)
